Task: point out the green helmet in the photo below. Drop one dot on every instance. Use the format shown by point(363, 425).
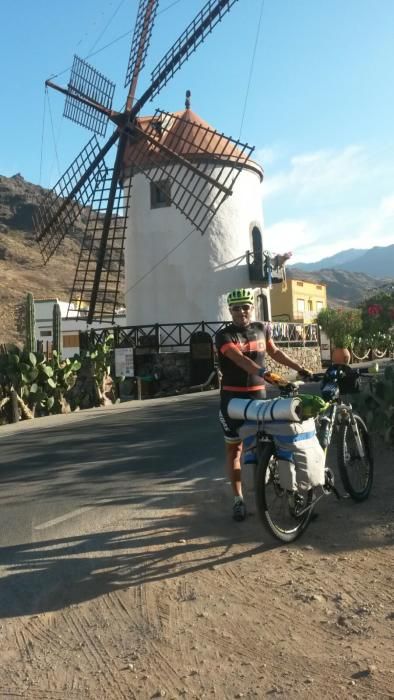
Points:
point(240, 296)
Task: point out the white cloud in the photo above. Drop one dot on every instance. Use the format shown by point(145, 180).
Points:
point(327, 201)
point(267, 156)
point(322, 171)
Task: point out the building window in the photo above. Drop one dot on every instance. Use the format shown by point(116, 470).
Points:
point(71, 341)
point(300, 284)
point(310, 306)
point(45, 334)
point(318, 286)
point(319, 306)
point(301, 305)
point(160, 194)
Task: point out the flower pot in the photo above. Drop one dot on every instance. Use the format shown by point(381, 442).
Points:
point(341, 356)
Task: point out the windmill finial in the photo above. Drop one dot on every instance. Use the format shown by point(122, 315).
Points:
point(187, 101)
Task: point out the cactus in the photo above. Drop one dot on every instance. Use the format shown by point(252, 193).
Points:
point(57, 329)
point(30, 339)
point(376, 403)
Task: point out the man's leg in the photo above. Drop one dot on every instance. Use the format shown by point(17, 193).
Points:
point(233, 463)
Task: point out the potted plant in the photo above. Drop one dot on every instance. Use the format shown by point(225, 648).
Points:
point(341, 326)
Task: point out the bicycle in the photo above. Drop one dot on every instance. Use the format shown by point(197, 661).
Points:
point(286, 514)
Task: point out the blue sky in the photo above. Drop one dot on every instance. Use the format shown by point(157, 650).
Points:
point(317, 101)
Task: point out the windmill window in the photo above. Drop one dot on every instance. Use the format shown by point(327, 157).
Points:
point(257, 243)
point(160, 194)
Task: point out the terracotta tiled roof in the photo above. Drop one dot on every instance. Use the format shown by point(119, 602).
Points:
point(187, 134)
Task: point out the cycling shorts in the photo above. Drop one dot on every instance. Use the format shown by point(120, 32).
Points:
point(230, 426)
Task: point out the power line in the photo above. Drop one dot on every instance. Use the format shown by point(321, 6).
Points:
point(111, 43)
point(107, 25)
point(53, 135)
point(252, 66)
point(42, 134)
point(167, 255)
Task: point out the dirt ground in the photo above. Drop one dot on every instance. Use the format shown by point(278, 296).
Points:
point(186, 603)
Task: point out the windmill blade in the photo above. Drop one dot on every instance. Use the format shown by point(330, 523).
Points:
point(194, 166)
point(140, 43)
point(87, 82)
point(187, 43)
point(61, 207)
point(107, 296)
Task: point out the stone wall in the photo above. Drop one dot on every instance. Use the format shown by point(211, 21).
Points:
point(307, 356)
point(169, 373)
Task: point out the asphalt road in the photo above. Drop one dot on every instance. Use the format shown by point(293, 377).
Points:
point(58, 472)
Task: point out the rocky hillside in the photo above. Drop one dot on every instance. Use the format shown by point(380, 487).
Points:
point(21, 266)
point(343, 288)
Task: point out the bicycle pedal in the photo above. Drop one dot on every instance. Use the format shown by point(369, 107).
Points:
point(328, 486)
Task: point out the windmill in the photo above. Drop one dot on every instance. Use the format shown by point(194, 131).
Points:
point(91, 188)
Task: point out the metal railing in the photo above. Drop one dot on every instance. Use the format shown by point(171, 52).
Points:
point(164, 337)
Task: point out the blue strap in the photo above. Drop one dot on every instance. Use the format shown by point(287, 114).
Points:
point(295, 438)
point(284, 454)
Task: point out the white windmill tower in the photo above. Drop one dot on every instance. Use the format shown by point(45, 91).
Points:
point(174, 275)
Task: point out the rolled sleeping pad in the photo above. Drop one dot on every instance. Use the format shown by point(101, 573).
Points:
point(266, 410)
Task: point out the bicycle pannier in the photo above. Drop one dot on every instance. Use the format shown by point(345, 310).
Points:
point(301, 460)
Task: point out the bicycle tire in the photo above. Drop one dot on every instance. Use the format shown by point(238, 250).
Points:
point(265, 478)
point(359, 487)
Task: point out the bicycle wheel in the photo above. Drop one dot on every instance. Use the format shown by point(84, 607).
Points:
point(285, 514)
point(356, 472)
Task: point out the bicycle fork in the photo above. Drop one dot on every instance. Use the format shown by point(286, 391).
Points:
point(357, 437)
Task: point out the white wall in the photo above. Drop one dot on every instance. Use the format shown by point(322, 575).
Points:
point(70, 327)
point(191, 283)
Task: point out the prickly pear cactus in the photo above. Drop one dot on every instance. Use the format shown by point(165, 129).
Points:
point(376, 404)
point(57, 329)
point(30, 339)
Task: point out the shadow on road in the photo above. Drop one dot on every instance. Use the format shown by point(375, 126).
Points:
point(181, 518)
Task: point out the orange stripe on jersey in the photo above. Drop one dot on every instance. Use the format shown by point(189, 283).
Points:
point(227, 346)
point(259, 387)
point(249, 346)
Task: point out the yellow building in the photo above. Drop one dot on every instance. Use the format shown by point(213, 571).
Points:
point(298, 300)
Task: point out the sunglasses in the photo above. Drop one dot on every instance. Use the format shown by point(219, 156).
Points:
point(240, 307)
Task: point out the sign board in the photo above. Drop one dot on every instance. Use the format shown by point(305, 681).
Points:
point(325, 347)
point(124, 362)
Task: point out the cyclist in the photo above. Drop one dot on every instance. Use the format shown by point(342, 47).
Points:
point(241, 349)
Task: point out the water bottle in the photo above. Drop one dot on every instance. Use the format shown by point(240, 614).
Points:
point(324, 431)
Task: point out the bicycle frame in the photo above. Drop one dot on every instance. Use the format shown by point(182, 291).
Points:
point(337, 413)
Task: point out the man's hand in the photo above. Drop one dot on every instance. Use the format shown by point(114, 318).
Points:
point(304, 372)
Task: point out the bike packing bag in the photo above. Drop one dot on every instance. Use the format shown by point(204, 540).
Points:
point(348, 380)
point(247, 433)
point(297, 443)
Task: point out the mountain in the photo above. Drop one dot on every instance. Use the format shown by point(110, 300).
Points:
point(375, 262)
point(341, 258)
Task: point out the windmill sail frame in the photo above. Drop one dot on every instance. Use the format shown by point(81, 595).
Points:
point(66, 200)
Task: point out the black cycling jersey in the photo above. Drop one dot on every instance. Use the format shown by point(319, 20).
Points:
point(252, 342)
